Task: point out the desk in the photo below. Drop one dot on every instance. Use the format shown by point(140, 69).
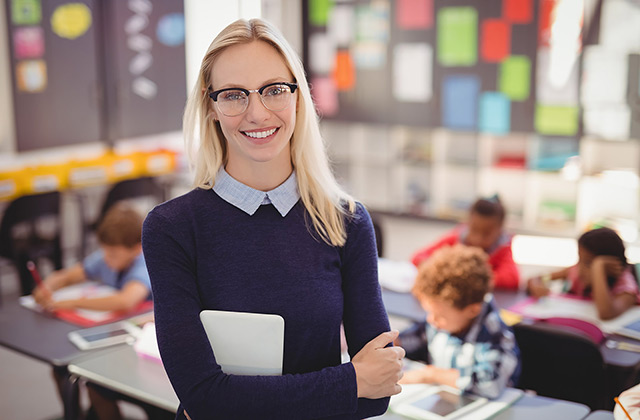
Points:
point(529, 407)
point(44, 338)
point(623, 367)
point(600, 415)
point(122, 370)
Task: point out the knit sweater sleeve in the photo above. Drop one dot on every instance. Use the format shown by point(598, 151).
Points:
point(201, 386)
point(364, 314)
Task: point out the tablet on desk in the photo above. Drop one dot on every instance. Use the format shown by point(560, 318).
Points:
point(630, 330)
point(435, 403)
point(245, 343)
point(104, 335)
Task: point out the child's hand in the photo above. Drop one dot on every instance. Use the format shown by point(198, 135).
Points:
point(536, 288)
point(610, 265)
point(43, 295)
point(63, 304)
point(419, 376)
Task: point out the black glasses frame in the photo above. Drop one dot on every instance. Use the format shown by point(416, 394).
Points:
point(214, 95)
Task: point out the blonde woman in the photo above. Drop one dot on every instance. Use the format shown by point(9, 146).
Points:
point(267, 230)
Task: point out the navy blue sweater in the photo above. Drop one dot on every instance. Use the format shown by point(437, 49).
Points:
point(204, 253)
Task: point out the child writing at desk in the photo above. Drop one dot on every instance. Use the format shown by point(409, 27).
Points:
point(464, 341)
point(118, 263)
point(602, 274)
point(485, 230)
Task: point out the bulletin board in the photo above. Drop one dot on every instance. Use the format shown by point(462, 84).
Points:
point(460, 64)
point(95, 70)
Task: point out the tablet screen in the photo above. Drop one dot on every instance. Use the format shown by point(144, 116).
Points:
point(443, 403)
point(106, 334)
point(635, 326)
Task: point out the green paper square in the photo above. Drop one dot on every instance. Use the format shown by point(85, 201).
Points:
point(556, 120)
point(26, 12)
point(514, 78)
point(457, 36)
point(319, 12)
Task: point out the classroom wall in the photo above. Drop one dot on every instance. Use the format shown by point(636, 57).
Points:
point(7, 131)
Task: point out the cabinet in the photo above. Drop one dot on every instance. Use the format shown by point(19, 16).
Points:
point(557, 186)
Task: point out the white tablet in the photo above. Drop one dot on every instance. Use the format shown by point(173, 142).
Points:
point(245, 343)
point(437, 403)
point(631, 330)
point(104, 335)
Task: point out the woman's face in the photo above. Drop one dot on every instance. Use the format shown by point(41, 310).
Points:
point(258, 135)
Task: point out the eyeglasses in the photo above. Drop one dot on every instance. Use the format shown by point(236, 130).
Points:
point(234, 101)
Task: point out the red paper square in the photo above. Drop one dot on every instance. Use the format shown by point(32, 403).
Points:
point(517, 11)
point(495, 40)
point(414, 14)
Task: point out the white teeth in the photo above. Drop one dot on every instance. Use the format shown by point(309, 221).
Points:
point(260, 134)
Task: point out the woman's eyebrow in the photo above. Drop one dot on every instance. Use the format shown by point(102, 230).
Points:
point(266, 82)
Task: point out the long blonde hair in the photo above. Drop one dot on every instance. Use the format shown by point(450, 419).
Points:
point(326, 202)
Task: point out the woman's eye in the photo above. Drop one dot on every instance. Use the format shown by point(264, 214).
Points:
point(275, 91)
point(233, 96)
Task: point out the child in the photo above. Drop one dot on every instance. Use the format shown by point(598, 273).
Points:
point(602, 274)
point(484, 230)
point(464, 341)
point(119, 263)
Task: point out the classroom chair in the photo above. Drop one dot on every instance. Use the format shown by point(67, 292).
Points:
point(144, 188)
point(31, 230)
point(561, 363)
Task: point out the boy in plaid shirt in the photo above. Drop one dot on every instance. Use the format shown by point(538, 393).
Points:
point(464, 341)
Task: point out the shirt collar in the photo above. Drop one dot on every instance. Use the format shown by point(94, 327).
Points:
point(247, 199)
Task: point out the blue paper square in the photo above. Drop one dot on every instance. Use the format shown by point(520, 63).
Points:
point(460, 102)
point(495, 113)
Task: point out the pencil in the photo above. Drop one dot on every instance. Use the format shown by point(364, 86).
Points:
point(621, 406)
point(34, 273)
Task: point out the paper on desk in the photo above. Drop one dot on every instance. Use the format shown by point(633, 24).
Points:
point(146, 343)
point(397, 276)
point(87, 289)
point(570, 307)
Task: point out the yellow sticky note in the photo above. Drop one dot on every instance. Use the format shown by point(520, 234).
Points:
point(71, 20)
point(510, 318)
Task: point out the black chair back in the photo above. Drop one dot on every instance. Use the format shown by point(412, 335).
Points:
point(561, 363)
point(31, 230)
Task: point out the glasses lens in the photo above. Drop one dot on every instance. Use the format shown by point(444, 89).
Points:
point(232, 102)
point(276, 97)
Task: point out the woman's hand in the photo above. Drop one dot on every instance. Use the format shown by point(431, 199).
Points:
point(379, 368)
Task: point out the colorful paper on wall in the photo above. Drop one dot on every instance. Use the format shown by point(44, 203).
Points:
point(372, 22)
point(31, 76)
point(340, 25)
point(460, 102)
point(325, 96)
point(518, 11)
point(71, 20)
point(344, 74)
point(494, 113)
point(457, 36)
point(414, 14)
point(609, 122)
point(322, 51)
point(319, 11)
point(604, 76)
point(550, 87)
point(26, 12)
point(412, 72)
point(370, 55)
point(554, 120)
point(496, 40)
point(28, 42)
point(170, 29)
point(620, 26)
point(514, 77)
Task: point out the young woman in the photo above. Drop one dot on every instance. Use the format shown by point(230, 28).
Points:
point(267, 230)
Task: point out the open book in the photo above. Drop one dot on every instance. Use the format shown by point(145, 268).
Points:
point(86, 317)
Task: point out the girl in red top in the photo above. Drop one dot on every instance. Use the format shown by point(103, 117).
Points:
point(484, 229)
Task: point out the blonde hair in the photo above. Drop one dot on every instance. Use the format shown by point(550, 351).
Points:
point(321, 195)
point(459, 274)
